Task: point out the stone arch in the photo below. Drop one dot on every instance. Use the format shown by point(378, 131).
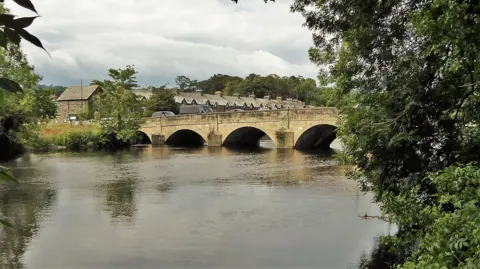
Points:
point(185, 137)
point(142, 138)
point(247, 136)
point(317, 137)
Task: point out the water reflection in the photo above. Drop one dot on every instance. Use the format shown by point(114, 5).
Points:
point(26, 205)
point(117, 192)
point(205, 207)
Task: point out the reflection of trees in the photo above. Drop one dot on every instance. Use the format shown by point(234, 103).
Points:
point(24, 205)
point(118, 194)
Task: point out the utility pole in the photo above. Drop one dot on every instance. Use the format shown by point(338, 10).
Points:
point(81, 90)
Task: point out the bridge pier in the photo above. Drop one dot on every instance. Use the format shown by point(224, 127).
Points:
point(158, 139)
point(285, 138)
point(214, 139)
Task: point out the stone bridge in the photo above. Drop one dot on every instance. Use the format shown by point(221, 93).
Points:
point(296, 128)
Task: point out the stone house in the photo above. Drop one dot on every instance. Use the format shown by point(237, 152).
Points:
point(74, 99)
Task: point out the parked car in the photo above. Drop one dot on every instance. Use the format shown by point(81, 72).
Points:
point(195, 109)
point(158, 114)
point(236, 110)
point(264, 108)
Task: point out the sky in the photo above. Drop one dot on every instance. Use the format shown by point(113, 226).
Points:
point(166, 38)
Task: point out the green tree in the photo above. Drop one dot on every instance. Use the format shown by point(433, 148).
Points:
point(452, 238)
point(12, 31)
point(185, 84)
point(44, 107)
point(162, 99)
point(118, 105)
point(216, 82)
point(406, 87)
point(125, 78)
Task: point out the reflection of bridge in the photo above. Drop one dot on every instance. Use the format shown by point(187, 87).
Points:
point(299, 128)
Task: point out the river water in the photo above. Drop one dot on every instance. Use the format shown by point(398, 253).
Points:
point(164, 207)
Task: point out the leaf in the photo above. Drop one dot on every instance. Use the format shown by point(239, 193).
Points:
point(24, 22)
point(3, 40)
point(10, 85)
point(6, 19)
point(6, 174)
point(26, 4)
point(31, 38)
point(12, 36)
point(5, 222)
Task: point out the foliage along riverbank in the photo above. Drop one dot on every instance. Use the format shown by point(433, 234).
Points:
point(51, 137)
point(406, 77)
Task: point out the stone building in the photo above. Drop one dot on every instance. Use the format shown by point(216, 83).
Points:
point(74, 99)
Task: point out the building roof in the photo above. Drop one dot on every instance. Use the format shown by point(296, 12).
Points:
point(234, 101)
point(213, 98)
point(251, 101)
point(73, 93)
point(143, 92)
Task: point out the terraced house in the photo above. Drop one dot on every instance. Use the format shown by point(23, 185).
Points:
point(74, 99)
point(220, 103)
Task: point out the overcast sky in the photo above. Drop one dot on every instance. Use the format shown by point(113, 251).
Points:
point(166, 38)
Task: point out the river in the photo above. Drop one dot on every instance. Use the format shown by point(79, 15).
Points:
point(164, 207)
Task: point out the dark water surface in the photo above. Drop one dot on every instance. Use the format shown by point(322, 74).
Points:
point(167, 207)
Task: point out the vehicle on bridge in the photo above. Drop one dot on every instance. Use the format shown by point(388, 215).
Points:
point(158, 114)
point(195, 109)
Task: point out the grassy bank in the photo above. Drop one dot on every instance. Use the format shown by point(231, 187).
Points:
point(70, 136)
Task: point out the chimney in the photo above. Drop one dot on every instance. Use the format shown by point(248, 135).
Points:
point(219, 93)
point(235, 94)
point(199, 92)
point(279, 98)
point(266, 97)
point(252, 95)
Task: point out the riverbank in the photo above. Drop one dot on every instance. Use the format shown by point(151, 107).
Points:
point(54, 136)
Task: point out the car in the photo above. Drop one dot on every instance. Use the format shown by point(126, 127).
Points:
point(195, 109)
point(158, 114)
point(236, 110)
point(264, 108)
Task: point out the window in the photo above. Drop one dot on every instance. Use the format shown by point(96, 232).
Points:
point(64, 108)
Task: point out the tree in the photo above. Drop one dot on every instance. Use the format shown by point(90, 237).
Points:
point(118, 105)
point(162, 99)
point(124, 78)
point(44, 107)
point(406, 85)
point(18, 105)
point(185, 84)
point(13, 31)
point(215, 83)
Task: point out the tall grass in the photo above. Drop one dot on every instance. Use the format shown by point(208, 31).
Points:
point(70, 136)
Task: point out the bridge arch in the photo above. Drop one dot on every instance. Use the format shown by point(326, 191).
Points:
point(316, 137)
point(141, 138)
point(185, 137)
point(246, 136)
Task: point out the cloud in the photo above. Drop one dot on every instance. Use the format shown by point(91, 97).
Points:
point(167, 38)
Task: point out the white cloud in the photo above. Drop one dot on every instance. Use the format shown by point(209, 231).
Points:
point(167, 38)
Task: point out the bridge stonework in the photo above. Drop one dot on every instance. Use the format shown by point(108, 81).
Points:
point(314, 126)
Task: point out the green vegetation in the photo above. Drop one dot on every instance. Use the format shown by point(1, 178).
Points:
point(118, 105)
point(162, 99)
point(304, 89)
point(406, 76)
point(12, 31)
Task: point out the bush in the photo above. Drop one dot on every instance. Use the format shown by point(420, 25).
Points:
point(80, 139)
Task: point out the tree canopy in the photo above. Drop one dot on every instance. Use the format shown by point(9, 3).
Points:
point(117, 105)
point(405, 76)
